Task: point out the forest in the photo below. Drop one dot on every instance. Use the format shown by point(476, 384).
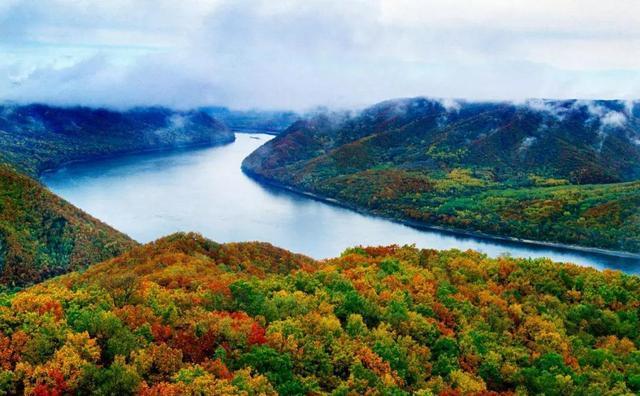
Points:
point(187, 316)
point(214, 198)
point(36, 138)
point(559, 174)
point(41, 235)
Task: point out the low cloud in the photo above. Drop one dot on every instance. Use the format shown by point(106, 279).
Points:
point(607, 117)
point(557, 109)
point(527, 143)
point(302, 54)
point(614, 119)
point(450, 104)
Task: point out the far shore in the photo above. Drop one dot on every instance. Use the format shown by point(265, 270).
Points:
point(450, 230)
point(124, 153)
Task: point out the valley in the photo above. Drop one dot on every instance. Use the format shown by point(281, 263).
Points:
point(151, 195)
point(341, 295)
point(319, 198)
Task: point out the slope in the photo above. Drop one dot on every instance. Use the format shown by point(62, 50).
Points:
point(35, 138)
point(559, 171)
point(185, 315)
point(41, 235)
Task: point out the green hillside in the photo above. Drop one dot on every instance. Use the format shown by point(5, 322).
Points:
point(563, 171)
point(41, 235)
point(35, 138)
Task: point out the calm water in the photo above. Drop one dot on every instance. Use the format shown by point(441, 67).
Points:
point(204, 190)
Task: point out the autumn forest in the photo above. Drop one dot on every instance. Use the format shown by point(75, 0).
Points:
point(85, 309)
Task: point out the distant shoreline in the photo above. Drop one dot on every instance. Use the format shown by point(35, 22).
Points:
point(332, 201)
point(42, 172)
point(450, 230)
point(250, 131)
point(114, 155)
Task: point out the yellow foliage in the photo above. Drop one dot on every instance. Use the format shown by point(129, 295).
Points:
point(467, 383)
point(84, 346)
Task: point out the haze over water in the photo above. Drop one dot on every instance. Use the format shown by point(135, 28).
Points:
point(204, 190)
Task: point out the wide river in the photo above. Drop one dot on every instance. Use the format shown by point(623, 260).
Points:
point(151, 195)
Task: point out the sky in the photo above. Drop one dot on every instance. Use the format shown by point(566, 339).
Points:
point(286, 54)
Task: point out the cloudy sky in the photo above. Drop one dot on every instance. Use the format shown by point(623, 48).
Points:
point(306, 53)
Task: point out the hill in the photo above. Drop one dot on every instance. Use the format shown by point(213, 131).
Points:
point(35, 138)
point(185, 315)
point(558, 171)
point(41, 235)
point(272, 122)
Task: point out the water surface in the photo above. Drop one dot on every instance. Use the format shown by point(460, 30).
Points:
point(204, 190)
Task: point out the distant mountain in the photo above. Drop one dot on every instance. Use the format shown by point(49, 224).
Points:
point(506, 169)
point(188, 316)
point(41, 235)
point(272, 122)
point(38, 137)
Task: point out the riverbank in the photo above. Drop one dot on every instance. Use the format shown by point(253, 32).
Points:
point(206, 191)
point(453, 231)
point(119, 154)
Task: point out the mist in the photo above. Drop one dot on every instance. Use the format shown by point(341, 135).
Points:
point(302, 54)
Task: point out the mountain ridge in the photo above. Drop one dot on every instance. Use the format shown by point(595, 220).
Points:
point(42, 235)
point(37, 137)
point(419, 160)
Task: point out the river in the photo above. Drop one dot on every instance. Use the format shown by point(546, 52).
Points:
point(204, 190)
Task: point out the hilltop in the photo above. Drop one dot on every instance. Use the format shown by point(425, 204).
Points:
point(185, 315)
point(558, 171)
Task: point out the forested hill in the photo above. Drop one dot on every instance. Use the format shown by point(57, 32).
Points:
point(41, 235)
point(562, 171)
point(271, 122)
point(187, 316)
point(38, 137)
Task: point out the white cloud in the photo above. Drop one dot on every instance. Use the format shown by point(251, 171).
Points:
point(527, 143)
point(450, 104)
point(299, 54)
point(551, 107)
point(614, 119)
point(606, 116)
point(628, 107)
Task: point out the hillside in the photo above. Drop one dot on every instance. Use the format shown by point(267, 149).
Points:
point(272, 122)
point(185, 315)
point(35, 138)
point(41, 235)
point(558, 171)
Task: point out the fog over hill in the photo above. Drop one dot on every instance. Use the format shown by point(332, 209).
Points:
point(529, 138)
point(301, 54)
point(39, 137)
point(582, 140)
point(536, 169)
